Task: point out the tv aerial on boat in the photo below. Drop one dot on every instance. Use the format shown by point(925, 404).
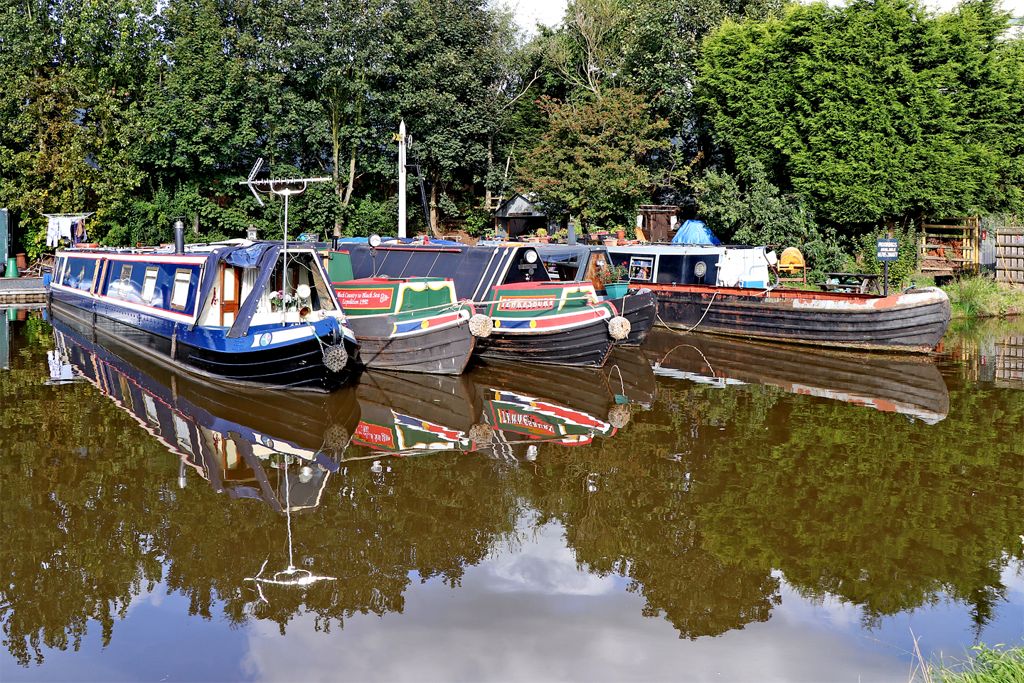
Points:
point(282, 187)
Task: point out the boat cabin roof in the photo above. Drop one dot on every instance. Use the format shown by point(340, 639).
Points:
point(473, 269)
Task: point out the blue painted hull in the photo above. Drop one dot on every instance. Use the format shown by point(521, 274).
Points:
point(269, 355)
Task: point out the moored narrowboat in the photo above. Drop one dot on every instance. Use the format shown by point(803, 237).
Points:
point(531, 318)
point(565, 262)
point(248, 313)
point(729, 291)
point(560, 323)
point(409, 324)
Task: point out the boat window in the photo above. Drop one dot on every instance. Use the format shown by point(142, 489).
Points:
point(323, 295)
point(80, 273)
point(126, 272)
point(641, 268)
point(149, 285)
point(562, 267)
point(303, 270)
point(125, 289)
point(670, 270)
point(179, 292)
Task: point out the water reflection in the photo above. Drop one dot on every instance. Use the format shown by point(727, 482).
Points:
point(500, 410)
point(989, 352)
point(708, 507)
point(904, 384)
point(233, 438)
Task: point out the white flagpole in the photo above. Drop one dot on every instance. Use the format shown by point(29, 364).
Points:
point(401, 179)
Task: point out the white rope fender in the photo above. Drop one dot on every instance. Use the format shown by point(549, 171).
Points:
point(481, 326)
point(618, 416)
point(619, 328)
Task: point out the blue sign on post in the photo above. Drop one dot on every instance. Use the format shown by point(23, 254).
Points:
point(887, 250)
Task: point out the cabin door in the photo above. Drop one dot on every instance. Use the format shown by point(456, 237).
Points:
point(596, 264)
point(230, 287)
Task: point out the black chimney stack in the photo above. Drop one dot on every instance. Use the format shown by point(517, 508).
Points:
point(179, 236)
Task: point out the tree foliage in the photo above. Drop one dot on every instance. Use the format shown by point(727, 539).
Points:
point(875, 111)
point(591, 160)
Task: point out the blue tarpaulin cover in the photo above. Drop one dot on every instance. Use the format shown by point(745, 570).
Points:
point(695, 232)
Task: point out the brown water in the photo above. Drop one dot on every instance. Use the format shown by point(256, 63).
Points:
point(703, 509)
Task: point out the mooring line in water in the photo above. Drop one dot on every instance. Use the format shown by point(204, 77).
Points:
point(677, 346)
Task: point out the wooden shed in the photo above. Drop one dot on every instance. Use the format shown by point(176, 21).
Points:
point(659, 222)
point(518, 215)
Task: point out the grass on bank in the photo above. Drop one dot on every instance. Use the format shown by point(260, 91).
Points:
point(988, 665)
point(982, 297)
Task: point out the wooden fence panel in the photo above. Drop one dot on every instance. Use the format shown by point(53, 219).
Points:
point(1010, 255)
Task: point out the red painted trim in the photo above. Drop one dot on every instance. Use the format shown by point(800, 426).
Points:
point(709, 290)
point(546, 322)
point(153, 258)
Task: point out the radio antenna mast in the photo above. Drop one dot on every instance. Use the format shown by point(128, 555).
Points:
point(282, 187)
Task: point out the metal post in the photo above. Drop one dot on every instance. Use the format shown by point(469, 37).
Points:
point(885, 267)
point(401, 179)
point(284, 265)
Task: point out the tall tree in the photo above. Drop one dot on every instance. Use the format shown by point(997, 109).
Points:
point(591, 160)
point(441, 74)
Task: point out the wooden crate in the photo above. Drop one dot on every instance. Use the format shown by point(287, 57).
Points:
point(950, 247)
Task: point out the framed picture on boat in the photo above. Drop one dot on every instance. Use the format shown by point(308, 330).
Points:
point(641, 268)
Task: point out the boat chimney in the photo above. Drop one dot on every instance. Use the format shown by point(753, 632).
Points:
point(179, 236)
point(250, 234)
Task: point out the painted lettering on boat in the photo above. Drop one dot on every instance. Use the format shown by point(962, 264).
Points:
point(525, 303)
point(511, 418)
point(374, 435)
point(362, 299)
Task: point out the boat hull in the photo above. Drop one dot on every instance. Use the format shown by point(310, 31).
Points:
point(298, 365)
point(443, 347)
point(640, 308)
point(586, 345)
point(913, 321)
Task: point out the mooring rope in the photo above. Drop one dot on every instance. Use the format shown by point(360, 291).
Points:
point(691, 329)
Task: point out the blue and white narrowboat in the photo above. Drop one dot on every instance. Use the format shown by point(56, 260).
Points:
point(254, 313)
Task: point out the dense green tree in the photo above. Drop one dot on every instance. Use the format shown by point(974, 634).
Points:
point(590, 162)
point(751, 210)
point(867, 110)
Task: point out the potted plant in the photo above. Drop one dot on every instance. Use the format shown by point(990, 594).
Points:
point(614, 280)
point(542, 235)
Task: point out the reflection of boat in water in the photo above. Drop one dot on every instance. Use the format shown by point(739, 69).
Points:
point(500, 408)
point(907, 385)
point(414, 413)
point(238, 440)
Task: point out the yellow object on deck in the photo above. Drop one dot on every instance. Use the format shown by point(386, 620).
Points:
point(792, 263)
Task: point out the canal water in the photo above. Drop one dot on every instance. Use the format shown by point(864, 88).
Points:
point(700, 509)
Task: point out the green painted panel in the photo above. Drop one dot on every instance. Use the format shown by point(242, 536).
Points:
point(5, 234)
